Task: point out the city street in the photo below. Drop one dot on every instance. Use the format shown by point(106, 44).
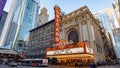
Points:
point(60, 34)
point(51, 66)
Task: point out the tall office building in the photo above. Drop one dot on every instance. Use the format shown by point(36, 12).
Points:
point(7, 24)
point(2, 21)
point(2, 4)
point(14, 18)
point(22, 17)
point(116, 6)
point(43, 16)
point(107, 21)
point(30, 18)
point(116, 33)
point(28, 22)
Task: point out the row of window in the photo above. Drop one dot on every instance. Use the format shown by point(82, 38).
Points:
point(45, 33)
point(42, 40)
point(36, 53)
point(43, 29)
point(99, 49)
point(36, 47)
point(36, 56)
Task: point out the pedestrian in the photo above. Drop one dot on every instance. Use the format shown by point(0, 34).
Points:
point(93, 65)
point(78, 64)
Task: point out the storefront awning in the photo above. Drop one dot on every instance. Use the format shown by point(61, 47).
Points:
point(8, 51)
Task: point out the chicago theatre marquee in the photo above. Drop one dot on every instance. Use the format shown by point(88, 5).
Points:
point(75, 38)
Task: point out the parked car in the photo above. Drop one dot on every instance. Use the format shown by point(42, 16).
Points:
point(12, 64)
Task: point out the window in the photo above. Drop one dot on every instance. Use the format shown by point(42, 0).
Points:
point(70, 21)
point(43, 33)
point(20, 45)
point(76, 19)
point(43, 28)
point(52, 30)
point(48, 31)
point(52, 35)
point(42, 38)
point(73, 35)
point(83, 17)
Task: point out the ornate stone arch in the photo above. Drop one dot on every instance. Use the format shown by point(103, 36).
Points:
point(72, 34)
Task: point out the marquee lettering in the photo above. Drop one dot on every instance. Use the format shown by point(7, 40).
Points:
point(57, 24)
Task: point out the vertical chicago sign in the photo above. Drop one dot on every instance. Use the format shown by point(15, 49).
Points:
point(57, 25)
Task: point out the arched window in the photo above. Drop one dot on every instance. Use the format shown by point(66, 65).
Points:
point(73, 35)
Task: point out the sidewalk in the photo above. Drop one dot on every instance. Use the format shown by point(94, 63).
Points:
point(118, 65)
point(108, 66)
point(65, 66)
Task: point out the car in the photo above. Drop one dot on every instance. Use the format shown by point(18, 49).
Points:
point(19, 63)
point(12, 64)
point(34, 65)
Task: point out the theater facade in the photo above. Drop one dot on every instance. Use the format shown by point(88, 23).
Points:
point(69, 39)
point(80, 39)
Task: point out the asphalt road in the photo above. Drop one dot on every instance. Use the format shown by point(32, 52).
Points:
point(51, 66)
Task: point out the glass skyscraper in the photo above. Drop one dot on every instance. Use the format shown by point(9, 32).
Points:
point(116, 33)
point(17, 16)
point(116, 7)
point(6, 28)
point(2, 21)
point(24, 19)
point(107, 21)
point(29, 21)
point(104, 21)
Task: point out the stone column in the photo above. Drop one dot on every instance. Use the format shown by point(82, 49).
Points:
point(80, 31)
point(84, 30)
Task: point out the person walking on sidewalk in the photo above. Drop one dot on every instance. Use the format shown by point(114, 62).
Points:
point(93, 65)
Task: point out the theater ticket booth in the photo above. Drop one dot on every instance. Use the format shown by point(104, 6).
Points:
point(71, 55)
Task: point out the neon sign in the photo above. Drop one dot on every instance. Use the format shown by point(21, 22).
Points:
point(57, 25)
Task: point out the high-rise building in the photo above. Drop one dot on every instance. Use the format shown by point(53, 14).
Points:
point(108, 45)
point(2, 4)
point(43, 16)
point(22, 17)
point(30, 18)
point(7, 24)
point(28, 22)
point(2, 21)
point(116, 33)
point(40, 38)
point(14, 18)
point(107, 21)
point(116, 6)
point(109, 16)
